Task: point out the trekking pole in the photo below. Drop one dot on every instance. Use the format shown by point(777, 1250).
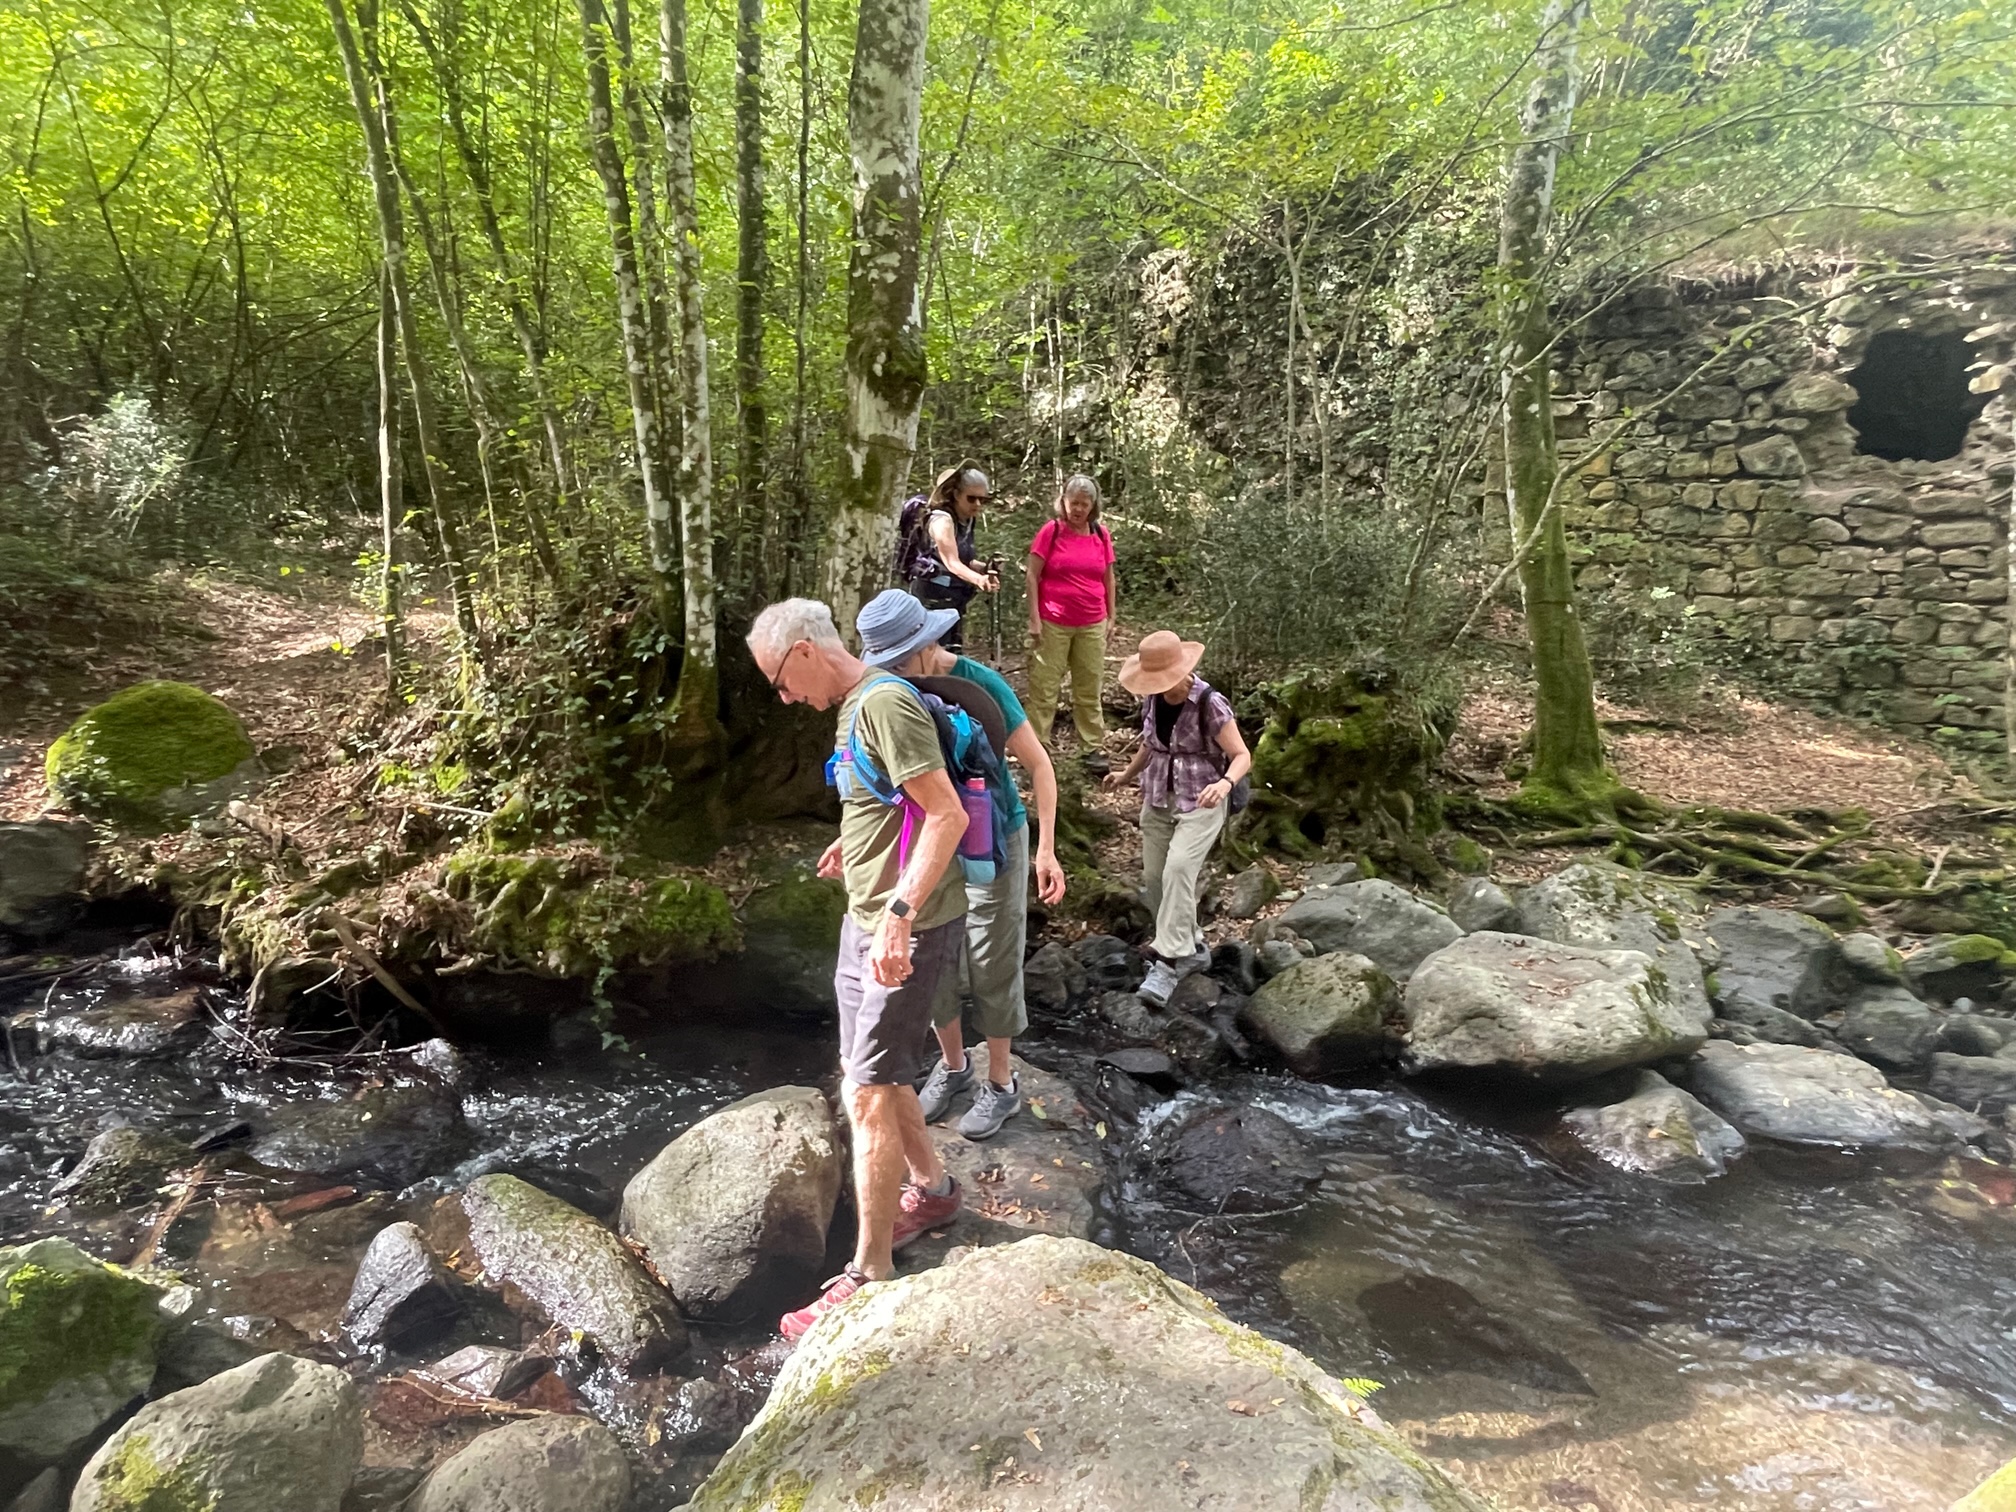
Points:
point(994, 606)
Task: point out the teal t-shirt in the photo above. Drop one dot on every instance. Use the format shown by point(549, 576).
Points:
point(1012, 715)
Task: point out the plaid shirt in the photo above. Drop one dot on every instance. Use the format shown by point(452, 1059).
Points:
point(1177, 772)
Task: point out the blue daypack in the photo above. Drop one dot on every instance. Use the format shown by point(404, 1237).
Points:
point(852, 772)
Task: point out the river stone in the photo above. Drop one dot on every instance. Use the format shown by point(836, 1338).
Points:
point(1479, 903)
point(76, 1344)
point(1327, 1014)
point(1052, 979)
point(1235, 964)
point(1515, 1005)
point(1385, 923)
point(41, 879)
point(42, 1494)
point(1658, 1131)
point(1975, 1034)
point(1995, 1494)
point(121, 1166)
point(132, 1028)
point(544, 1464)
point(192, 1350)
point(1982, 1084)
point(1601, 906)
point(1123, 1391)
point(384, 1136)
point(1890, 1028)
point(1776, 959)
point(1235, 1159)
point(1272, 957)
point(1248, 892)
point(735, 1210)
point(153, 752)
point(1971, 966)
point(1868, 959)
point(484, 1370)
point(280, 1434)
point(1110, 964)
point(1773, 1026)
point(793, 928)
point(403, 1298)
point(575, 1269)
point(1810, 1097)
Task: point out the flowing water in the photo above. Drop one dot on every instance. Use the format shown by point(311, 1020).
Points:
point(1795, 1337)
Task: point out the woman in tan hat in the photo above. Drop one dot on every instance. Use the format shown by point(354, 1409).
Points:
point(1190, 758)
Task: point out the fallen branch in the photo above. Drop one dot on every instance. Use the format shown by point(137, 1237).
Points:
point(372, 964)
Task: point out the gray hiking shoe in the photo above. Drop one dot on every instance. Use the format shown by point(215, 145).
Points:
point(1159, 983)
point(992, 1107)
point(941, 1087)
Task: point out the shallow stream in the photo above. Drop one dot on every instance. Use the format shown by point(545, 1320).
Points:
point(1799, 1336)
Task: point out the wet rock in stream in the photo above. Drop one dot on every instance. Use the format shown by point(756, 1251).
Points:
point(1772, 958)
point(382, 1136)
point(403, 1298)
point(133, 1027)
point(1890, 1028)
point(1375, 919)
point(1436, 1325)
point(41, 878)
point(122, 1166)
point(1659, 1131)
point(544, 1464)
point(1328, 1014)
point(1234, 1159)
point(1811, 1097)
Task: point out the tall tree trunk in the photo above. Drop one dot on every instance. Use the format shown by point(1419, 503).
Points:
point(477, 170)
point(392, 233)
point(1567, 743)
point(885, 363)
point(694, 717)
point(784, 561)
point(651, 239)
point(752, 278)
point(391, 505)
point(629, 303)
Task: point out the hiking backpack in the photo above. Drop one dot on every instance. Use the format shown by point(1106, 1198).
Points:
point(916, 557)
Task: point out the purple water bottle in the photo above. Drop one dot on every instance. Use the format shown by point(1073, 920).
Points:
point(976, 846)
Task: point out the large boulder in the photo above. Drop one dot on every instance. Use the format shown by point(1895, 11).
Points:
point(1600, 906)
point(793, 928)
point(1984, 1084)
point(1802, 1096)
point(383, 1136)
point(76, 1344)
point(279, 1434)
point(157, 752)
point(1748, 1022)
point(1513, 1005)
point(736, 1209)
point(41, 879)
point(1658, 1131)
point(1772, 958)
point(1995, 1494)
point(1479, 903)
point(1970, 966)
point(1234, 1159)
point(403, 1298)
point(574, 1268)
point(1386, 924)
point(1328, 1013)
point(544, 1464)
point(1890, 1028)
point(129, 1027)
point(1123, 1391)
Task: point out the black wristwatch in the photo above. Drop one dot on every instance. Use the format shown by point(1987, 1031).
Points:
point(899, 909)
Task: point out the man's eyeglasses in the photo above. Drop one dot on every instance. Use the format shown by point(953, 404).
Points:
point(777, 677)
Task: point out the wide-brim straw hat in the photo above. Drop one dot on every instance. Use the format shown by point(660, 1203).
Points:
point(1162, 662)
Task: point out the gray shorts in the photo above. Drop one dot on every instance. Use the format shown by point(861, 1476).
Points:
point(882, 1029)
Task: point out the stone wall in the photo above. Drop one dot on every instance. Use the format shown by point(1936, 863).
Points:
point(1876, 586)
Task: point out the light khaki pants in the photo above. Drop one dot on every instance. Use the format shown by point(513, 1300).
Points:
point(1173, 848)
point(997, 929)
point(1081, 651)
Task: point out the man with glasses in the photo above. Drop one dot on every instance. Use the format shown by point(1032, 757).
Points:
point(905, 926)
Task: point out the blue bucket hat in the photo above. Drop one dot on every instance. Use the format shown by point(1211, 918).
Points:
point(893, 627)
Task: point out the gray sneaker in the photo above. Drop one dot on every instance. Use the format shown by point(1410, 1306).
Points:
point(992, 1107)
point(1159, 983)
point(941, 1087)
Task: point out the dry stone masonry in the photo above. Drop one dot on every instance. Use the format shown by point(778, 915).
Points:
point(1827, 500)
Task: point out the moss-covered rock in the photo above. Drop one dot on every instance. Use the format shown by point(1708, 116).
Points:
point(791, 931)
point(567, 915)
point(153, 753)
point(76, 1344)
point(1995, 1494)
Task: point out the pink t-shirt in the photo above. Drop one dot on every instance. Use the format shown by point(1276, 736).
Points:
point(1073, 590)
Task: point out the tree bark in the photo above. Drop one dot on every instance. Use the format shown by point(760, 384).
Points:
point(392, 233)
point(695, 720)
point(752, 277)
point(885, 363)
point(391, 505)
point(1568, 761)
point(651, 238)
point(630, 314)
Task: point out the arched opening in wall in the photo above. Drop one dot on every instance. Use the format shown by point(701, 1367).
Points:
point(1914, 401)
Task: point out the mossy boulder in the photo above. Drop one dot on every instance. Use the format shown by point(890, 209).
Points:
point(1995, 1494)
point(277, 1434)
point(157, 752)
point(76, 1345)
point(1124, 1389)
point(575, 913)
point(791, 933)
point(1328, 1014)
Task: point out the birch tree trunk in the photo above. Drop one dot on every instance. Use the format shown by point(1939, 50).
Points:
point(885, 334)
point(1568, 762)
point(752, 278)
point(629, 303)
point(694, 707)
point(392, 233)
point(650, 244)
point(391, 504)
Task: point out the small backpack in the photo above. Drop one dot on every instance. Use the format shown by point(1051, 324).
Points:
point(851, 771)
point(916, 557)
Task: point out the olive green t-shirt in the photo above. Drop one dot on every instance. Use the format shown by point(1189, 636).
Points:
point(895, 730)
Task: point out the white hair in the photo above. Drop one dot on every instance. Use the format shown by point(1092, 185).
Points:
point(781, 626)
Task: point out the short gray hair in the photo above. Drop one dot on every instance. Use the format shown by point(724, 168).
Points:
point(781, 626)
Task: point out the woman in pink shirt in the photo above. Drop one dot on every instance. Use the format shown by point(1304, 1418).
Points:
point(1072, 597)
